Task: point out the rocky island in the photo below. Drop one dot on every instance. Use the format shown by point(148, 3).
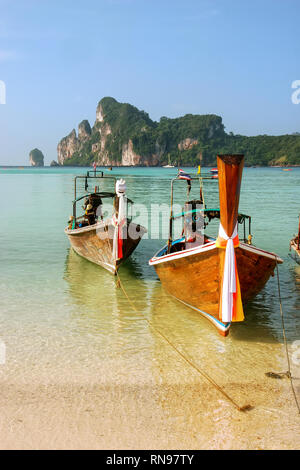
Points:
point(36, 158)
point(123, 135)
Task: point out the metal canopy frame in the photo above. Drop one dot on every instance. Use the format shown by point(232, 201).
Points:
point(242, 217)
point(94, 174)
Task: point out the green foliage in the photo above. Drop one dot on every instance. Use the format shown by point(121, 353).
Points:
point(82, 157)
point(126, 122)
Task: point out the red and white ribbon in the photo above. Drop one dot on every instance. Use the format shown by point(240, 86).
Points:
point(120, 220)
point(229, 284)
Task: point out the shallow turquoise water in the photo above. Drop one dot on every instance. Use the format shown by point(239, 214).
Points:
point(60, 312)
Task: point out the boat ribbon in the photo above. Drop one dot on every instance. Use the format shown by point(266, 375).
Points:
point(120, 220)
point(231, 307)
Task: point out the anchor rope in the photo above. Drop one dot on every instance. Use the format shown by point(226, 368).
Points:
point(202, 372)
point(183, 356)
point(285, 340)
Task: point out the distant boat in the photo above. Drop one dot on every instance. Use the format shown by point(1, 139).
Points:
point(106, 242)
point(295, 246)
point(287, 169)
point(214, 276)
point(169, 164)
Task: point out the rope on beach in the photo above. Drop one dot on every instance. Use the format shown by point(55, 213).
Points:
point(288, 374)
point(183, 356)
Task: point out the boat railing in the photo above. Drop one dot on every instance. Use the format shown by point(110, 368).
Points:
point(102, 195)
point(210, 213)
point(177, 178)
point(215, 213)
point(91, 175)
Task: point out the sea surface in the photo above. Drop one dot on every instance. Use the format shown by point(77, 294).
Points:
point(83, 369)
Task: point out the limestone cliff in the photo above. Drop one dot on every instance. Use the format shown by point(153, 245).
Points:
point(123, 135)
point(84, 131)
point(131, 158)
point(99, 113)
point(187, 143)
point(71, 143)
point(67, 147)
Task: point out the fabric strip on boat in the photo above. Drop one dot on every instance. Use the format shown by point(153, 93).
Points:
point(120, 221)
point(231, 307)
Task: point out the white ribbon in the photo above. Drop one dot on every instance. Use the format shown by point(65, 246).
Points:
point(229, 277)
point(120, 191)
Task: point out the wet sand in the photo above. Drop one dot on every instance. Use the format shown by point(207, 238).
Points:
point(101, 414)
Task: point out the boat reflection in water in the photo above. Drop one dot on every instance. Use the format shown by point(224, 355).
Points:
point(102, 308)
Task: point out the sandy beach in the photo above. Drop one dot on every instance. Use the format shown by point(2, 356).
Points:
point(135, 413)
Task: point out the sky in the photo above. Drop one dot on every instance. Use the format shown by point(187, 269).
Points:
point(234, 58)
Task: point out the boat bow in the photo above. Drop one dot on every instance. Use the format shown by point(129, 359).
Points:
point(230, 169)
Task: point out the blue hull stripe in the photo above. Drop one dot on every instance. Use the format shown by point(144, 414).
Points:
point(223, 326)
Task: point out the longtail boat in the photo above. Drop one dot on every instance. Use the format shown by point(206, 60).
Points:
point(104, 241)
point(214, 276)
point(295, 246)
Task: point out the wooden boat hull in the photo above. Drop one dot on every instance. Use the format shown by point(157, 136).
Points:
point(294, 252)
point(95, 243)
point(194, 276)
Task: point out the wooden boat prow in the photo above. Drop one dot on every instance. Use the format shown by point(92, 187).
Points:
point(194, 276)
point(230, 169)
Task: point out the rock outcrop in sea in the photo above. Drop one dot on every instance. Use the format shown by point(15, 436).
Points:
point(36, 158)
